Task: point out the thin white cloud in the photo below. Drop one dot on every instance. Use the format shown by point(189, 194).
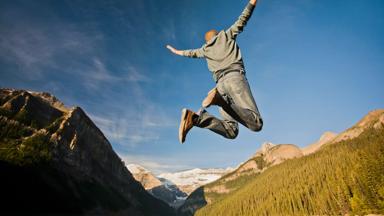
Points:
point(132, 74)
point(134, 126)
point(37, 49)
point(155, 164)
point(97, 73)
point(40, 49)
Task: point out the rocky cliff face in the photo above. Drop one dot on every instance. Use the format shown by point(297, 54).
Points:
point(275, 154)
point(144, 176)
point(74, 167)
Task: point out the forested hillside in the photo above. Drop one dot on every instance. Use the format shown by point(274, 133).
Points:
point(344, 178)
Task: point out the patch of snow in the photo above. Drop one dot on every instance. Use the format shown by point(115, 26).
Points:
point(181, 198)
point(194, 176)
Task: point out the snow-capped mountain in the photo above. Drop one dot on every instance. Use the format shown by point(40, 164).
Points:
point(189, 180)
point(174, 188)
point(164, 190)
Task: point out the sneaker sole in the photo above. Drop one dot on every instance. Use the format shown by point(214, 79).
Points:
point(182, 124)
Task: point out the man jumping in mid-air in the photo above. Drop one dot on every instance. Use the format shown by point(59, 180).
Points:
point(232, 92)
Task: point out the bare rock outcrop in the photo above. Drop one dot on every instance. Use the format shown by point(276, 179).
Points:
point(325, 138)
point(374, 119)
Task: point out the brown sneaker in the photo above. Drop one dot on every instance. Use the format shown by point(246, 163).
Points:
point(186, 124)
point(213, 98)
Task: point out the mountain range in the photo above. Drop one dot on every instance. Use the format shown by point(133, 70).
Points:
point(269, 155)
point(174, 188)
point(339, 174)
point(55, 160)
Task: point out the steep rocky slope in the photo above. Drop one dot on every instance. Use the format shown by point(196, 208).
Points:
point(144, 176)
point(54, 159)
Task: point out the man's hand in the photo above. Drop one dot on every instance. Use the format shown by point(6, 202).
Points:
point(253, 2)
point(175, 51)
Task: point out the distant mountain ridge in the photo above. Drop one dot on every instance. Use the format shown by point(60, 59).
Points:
point(174, 188)
point(73, 166)
point(325, 138)
point(189, 180)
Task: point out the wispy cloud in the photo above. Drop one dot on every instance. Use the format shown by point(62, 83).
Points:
point(77, 50)
point(37, 48)
point(155, 164)
point(97, 73)
point(134, 126)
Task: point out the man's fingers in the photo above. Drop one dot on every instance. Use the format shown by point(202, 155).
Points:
point(169, 47)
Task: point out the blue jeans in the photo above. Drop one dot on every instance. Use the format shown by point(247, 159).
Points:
point(240, 107)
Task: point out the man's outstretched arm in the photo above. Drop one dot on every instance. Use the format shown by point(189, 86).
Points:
point(238, 26)
point(192, 53)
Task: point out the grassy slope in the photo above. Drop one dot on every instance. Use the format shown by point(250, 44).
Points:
point(347, 177)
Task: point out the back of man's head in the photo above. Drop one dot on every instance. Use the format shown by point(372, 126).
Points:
point(210, 34)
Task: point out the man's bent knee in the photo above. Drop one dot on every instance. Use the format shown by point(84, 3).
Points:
point(257, 125)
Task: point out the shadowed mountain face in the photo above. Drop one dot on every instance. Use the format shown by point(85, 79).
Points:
point(339, 174)
point(55, 160)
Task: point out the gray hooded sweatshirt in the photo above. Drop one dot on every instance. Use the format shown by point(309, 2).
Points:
point(222, 51)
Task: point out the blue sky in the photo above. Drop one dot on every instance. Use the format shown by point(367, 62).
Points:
point(313, 66)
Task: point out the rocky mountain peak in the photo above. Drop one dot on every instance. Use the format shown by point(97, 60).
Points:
point(264, 148)
point(374, 119)
point(51, 99)
point(282, 152)
point(325, 138)
point(275, 153)
point(144, 176)
point(69, 156)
